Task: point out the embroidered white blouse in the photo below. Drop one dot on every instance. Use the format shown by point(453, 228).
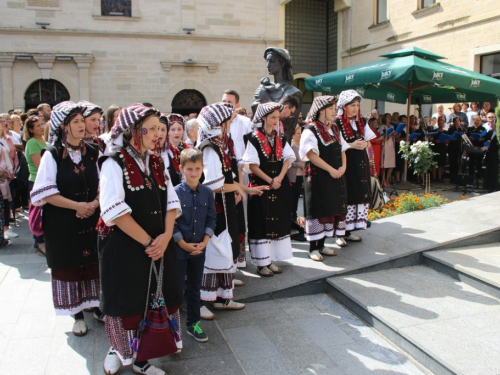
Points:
point(251, 156)
point(240, 126)
point(212, 168)
point(45, 183)
point(112, 193)
point(308, 142)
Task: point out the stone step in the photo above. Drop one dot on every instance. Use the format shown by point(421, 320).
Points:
point(478, 266)
point(447, 325)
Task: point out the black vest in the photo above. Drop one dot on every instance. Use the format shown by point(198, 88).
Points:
point(324, 195)
point(72, 242)
point(232, 217)
point(124, 264)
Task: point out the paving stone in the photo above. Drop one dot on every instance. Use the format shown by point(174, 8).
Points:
point(26, 356)
point(481, 262)
point(323, 331)
point(266, 366)
point(448, 319)
point(299, 354)
point(219, 364)
point(250, 343)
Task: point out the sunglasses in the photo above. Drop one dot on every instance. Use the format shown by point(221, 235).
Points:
point(33, 118)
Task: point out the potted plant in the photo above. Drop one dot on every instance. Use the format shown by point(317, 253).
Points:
point(419, 156)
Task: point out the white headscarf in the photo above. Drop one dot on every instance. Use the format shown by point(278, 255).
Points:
point(345, 98)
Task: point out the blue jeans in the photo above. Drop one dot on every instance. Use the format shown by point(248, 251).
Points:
point(192, 268)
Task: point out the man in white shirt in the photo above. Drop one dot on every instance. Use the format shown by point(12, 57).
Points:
point(490, 121)
point(440, 112)
point(240, 126)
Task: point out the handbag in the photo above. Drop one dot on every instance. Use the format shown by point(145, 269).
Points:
point(378, 200)
point(219, 254)
point(157, 333)
point(35, 220)
point(22, 172)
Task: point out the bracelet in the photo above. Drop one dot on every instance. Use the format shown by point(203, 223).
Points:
point(148, 242)
point(272, 182)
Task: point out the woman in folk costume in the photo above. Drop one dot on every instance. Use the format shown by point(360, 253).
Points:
point(357, 175)
point(93, 125)
point(162, 148)
point(323, 148)
point(67, 185)
point(267, 158)
point(217, 283)
point(174, 144)
point(139, 206)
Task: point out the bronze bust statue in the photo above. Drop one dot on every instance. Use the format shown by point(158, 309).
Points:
point(279, 65)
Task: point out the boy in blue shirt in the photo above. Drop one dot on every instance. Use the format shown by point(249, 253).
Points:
point(192, 231)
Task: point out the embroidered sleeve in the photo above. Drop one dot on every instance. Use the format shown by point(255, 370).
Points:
point(369, 134)
point(45, 183)
point(250, 157)
point(308, 142)
point(212, 168)
point(112, 194)
point(173, 202)
point(345, 145)
point(288, 154)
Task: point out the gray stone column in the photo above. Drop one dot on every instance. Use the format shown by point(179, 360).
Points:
point(83, 63)
point(6, 63)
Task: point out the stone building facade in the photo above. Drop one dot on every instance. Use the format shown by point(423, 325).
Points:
point(465, 32)
point(140, 51)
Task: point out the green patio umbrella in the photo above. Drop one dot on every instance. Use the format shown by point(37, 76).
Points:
point(411, 75)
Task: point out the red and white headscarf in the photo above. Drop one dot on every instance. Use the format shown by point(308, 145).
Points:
point(129, 116)
point(347, 97)
point(174, 117)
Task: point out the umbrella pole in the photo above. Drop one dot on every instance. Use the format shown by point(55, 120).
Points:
point(404, 184)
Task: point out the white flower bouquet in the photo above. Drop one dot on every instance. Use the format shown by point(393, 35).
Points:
point(419, 156)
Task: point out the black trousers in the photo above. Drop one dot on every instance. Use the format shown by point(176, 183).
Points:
point(192, 268)
point(296, 189)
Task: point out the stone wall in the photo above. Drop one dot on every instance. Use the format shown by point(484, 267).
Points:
point(458, 30)
point(227, 44)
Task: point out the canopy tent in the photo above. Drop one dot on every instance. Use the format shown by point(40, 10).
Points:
point(410, 75)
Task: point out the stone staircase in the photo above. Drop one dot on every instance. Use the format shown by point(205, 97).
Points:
point(444, 312)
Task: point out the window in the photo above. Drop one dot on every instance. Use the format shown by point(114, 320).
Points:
point(382, 11)
point(188, 101)
point(426, 3)
point(116, 8)
point(47, 91)
point(490, 65)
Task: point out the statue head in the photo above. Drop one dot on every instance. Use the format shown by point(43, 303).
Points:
point(278, 60)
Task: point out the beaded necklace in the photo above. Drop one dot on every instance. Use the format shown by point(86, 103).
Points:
point(222, 145)
point(265, 145)
point(324, 136)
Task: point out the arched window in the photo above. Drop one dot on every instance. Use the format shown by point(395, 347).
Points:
point(188, 101)
point(47, 91)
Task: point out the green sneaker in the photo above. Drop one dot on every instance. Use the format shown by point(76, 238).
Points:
point(195, 331)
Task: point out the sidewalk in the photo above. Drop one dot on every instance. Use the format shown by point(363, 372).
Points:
point(300, 335)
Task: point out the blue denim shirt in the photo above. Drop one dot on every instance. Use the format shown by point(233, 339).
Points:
point(198, 215)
